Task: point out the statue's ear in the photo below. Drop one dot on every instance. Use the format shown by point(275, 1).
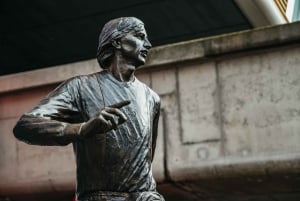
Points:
point(116, 43)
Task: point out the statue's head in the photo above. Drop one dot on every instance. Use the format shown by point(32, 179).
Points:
point(112, 32)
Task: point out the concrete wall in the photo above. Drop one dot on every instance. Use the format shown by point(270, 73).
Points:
point(230, 112)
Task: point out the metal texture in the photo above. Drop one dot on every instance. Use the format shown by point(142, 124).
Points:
point(110, 117)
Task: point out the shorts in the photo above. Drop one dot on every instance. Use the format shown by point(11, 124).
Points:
point(118, 196)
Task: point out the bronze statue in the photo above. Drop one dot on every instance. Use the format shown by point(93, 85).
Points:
point(110, 117)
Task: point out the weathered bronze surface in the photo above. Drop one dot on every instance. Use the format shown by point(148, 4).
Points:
point(110, 117)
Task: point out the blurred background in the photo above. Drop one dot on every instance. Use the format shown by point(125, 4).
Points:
point(227, 73)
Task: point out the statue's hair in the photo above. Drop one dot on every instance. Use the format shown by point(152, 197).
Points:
point(114, 30)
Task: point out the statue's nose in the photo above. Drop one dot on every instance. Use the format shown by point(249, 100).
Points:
point(147, 44)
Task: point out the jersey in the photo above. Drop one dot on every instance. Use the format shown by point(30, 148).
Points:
point(117, 161)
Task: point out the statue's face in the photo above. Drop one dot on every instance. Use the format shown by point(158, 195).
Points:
point(135, 46)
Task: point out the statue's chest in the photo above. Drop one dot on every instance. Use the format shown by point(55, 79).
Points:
point(137, 112)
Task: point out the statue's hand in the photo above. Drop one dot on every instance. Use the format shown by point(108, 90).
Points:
point(106, 119)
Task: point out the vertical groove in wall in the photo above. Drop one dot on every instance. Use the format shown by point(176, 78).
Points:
point(220, 110)
point(165, 149)
point(17, 156)
point(179, 105)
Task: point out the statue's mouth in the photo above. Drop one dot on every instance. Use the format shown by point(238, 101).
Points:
point(144, 53)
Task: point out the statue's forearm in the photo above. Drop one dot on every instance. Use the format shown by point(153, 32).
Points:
point(42, 131)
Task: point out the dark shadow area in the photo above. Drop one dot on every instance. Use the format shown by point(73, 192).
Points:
point(38, 34)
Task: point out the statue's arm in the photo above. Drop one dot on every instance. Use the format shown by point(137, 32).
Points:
point(155, 126)
point(57, 119)
point(54, 121)
point(42, 131)
point(34, 129)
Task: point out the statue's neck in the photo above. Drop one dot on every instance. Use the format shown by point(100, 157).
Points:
point(121, 69)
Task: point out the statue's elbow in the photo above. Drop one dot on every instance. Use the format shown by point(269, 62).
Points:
point(18, 131)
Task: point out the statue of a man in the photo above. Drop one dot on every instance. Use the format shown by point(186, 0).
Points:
point(110, 117)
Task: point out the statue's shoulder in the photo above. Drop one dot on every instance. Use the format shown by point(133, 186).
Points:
point(154, 95)
point(151, 93)
point(82, 80)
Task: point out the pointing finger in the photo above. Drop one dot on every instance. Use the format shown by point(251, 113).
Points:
point(120, 104)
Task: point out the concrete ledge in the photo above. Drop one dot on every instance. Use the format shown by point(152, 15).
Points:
point(46, 76)
point(167, 54)
point(226, 43)
point(261, 166)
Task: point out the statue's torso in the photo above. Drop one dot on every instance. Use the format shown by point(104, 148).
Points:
point(119, 160)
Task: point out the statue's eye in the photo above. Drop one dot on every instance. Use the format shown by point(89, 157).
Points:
point(140, 36)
